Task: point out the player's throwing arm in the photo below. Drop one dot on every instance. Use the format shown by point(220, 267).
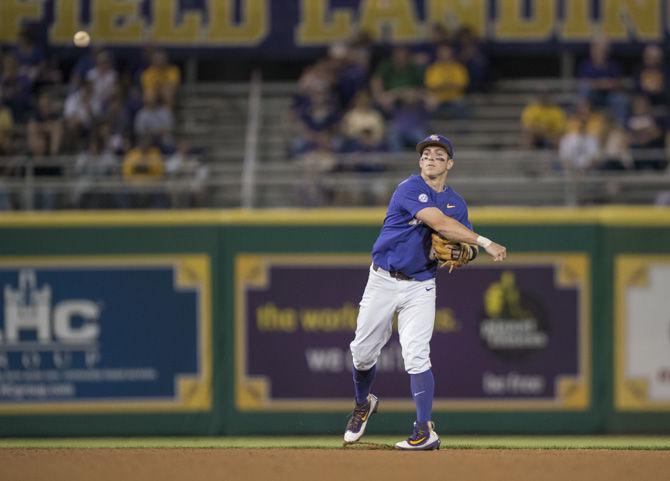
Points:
point(453, 244)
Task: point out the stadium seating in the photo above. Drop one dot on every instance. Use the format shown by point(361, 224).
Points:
point(491, 168)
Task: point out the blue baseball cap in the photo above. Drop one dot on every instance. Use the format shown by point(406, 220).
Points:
point(436, 140)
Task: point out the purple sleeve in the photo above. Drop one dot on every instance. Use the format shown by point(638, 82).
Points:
point(412, 198)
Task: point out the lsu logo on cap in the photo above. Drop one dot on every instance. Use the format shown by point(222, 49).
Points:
point(436, 140)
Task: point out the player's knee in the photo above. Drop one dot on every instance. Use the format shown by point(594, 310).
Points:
point(417, 364)
point(362, 359)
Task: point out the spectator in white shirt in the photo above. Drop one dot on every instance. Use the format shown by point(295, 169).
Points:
point(155, 121)
point(578, 151)
point(81, 109)
point(103, 77)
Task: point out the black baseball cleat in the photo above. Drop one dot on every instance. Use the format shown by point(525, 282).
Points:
point(359, 419)
point(423, 438)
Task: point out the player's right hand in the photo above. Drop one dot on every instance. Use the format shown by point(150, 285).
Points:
point(497, 251)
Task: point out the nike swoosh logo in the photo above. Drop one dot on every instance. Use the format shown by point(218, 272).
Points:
point(417, 393)
point(364, 418)
point(450, 206)
point(429, 288)
point(416, 442)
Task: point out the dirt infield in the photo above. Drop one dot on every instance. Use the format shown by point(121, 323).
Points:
point(330, 464)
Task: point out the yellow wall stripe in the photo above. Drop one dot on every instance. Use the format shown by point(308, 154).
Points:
point(623, 216)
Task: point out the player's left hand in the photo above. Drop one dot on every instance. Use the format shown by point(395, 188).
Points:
point(449, 253)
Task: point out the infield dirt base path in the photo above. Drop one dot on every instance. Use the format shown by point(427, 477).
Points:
point(331, 464)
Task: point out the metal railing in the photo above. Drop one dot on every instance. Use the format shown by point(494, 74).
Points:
point(511, 178)
point(251, 141)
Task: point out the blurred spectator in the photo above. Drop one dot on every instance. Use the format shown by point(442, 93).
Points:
point(311, 191)
point(160, 81)
point(117, 125)
point(85, 63)
point(142, 167)
point(394, 77)
point(652, 78)
point(616, 154)
point(46, 126)
point(426, 53)
point(595, 121)
point(30, 58)
point(143, 162)
point(156, 122)
point(317, 79)
point(140, 63)
point(362, 125)
point(472, 57)
point(189, 174)
point(52, 74)
point(601, 81)
point(578, 150)
point(80, 111)
point(103, 77)
point(315, 124)
point(6, 131)
point(95, 163)
point(15, 89)
point(647, 138)
point(132, 101)
point(350, 75)
point(360, 50)
point(447, 80)
point(43, 169)
point(543, 122)
point(408, 122)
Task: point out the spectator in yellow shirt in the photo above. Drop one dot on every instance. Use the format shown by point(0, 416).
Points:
point(596, 123)
point(447, 80)
point(542, 122)
point(142, 167)
point(144, 162)
point(6, 130)
point(161, 80)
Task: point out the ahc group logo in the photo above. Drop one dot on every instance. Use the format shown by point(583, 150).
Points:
point(33, 325)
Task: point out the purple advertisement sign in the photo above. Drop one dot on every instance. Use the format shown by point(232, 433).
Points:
point(507, 336)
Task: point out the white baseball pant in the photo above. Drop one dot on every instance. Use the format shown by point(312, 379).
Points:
point(415, 303)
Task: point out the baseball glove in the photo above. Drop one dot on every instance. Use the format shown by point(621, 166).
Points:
point(449, 253)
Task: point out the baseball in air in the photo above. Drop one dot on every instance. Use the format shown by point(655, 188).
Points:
point(81, 39)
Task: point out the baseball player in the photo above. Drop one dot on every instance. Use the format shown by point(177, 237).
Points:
point(402, 280)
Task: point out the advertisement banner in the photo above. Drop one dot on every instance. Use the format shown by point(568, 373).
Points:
point(105, 334)
point(642, 333)
point(289, 28)
point(507, 336)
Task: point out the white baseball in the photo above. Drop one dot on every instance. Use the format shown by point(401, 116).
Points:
point(81, 39)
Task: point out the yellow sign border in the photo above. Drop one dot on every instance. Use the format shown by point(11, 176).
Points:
point(252, 393)
point(193, 393)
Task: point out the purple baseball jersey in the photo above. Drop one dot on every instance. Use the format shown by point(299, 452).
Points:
point(404, 242)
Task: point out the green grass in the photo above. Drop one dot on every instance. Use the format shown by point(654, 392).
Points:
point(334, 442)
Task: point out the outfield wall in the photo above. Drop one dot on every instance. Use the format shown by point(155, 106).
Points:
point(233, 322)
